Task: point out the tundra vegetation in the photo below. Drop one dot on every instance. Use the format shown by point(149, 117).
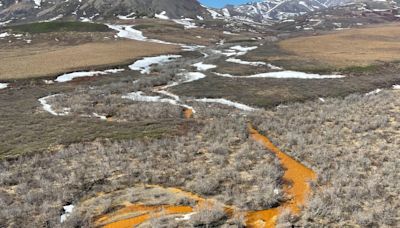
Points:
point(353, 145)
point(216, 160)
point(338, 138)
point(144, 148)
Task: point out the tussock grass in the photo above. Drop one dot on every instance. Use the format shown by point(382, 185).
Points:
point(355, 47)
point(39, 61)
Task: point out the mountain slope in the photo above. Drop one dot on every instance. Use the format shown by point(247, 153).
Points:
point(269, 11)
point(272, 10)
point(96, 9)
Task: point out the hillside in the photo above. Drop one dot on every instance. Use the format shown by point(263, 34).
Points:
point(29, 10)
point(270, 11)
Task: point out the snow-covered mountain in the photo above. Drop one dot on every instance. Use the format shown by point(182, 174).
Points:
point(30, 10)
point(279, 10)
point(271, 10)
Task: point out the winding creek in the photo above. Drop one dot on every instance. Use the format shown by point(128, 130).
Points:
point(296, 176)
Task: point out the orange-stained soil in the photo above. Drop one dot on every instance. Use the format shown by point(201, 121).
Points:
point(122, 219)
point(298, 177)
point(188, 113)
point(134, 214)
point(296, 174)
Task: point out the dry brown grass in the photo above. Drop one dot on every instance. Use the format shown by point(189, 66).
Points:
point(43, 60)
point(355, 47)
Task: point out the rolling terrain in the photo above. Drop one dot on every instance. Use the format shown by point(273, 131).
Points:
point(172, 114)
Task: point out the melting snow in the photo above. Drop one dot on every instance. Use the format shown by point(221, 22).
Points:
point(3, 35)
point(3, 85)
point(243, 49)
point(162, 16)
point(236, 50)
point(2, 23)
point(48, 82)
point(186, 22)
point(234, 60)
point(373, 92)
point(204, 67)
point(138, 96)
point(190, 47)
point(80, 74)
point(144, 65)
point(54, 18)
point(67, 212)
point(47, 107)
point(127, 17)
point(396, 87)
point(228, 103)
point(185, 217)
point(38, 2)
point(285, 74)
point(228, 33)
point(193, 76)
point(99, 116)
point(168, 94)
point(126, 31)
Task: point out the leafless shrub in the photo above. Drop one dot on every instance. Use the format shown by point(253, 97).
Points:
point(208, 214)
point(352, 145)
point(193, 162)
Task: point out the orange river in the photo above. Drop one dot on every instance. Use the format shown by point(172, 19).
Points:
point(296, 175)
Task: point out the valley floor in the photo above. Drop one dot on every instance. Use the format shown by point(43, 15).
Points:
point(165, 140)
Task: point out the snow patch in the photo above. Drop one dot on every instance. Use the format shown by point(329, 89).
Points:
point(185, 217)
point(234, 60)
point(396, 87)
point(2, 23)
point(192, 76)
point(67, 212)
point(285, 74)
point(3, 85)
point(191, 47)
point(144, 65)
point(186, 22)
point(127, 17)
point(373, 92)
point(162, 16)
point(140, 97)
point(47, 107)
point(38, 2)
point(204, 67)
point(228, 103)
point(243, 49)
point(99, 116)
point(4, 34)
point(128, 32)
point(70, 76)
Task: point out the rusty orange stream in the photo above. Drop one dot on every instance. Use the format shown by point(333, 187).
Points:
point(146, 213)
point(188, 113)
point(296, 173)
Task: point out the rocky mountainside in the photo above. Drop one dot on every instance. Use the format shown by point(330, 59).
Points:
point(350, 15)
point(270, 11)
point(32, 10)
